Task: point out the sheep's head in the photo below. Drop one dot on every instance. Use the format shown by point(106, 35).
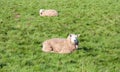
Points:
point(74, 39)
point(41, 11)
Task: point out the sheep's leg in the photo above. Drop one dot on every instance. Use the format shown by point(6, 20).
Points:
point(46, 48)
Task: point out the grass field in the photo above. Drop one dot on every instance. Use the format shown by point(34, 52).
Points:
point(22, 32)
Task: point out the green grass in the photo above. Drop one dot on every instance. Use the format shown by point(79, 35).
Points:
point(22, 32)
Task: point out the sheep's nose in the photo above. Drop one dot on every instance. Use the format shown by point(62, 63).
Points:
point(76, 42)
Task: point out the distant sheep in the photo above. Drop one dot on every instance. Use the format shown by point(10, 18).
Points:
point(49, 12)
point(61, 45)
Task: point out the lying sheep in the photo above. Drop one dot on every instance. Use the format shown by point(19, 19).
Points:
point(60, 45)
point(49, 12)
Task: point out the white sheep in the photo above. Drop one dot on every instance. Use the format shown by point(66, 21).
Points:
point(49, 12)
point(61, 45)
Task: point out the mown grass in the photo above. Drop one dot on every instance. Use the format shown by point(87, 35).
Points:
point(22, 32)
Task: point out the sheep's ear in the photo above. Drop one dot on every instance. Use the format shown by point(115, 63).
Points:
point(41, 10)
point(78, 35)
point(70, 35)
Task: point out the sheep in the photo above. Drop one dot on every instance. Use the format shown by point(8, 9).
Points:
point(49, 12)
point(61, 45)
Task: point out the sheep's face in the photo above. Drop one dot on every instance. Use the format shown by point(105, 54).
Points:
point(41, 11)
point(74, 38)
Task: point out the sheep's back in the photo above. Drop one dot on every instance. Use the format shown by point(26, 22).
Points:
point(50, 13)
point(57, 44)
point(57, 41)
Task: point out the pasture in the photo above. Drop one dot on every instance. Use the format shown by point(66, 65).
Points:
point(22, 32)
